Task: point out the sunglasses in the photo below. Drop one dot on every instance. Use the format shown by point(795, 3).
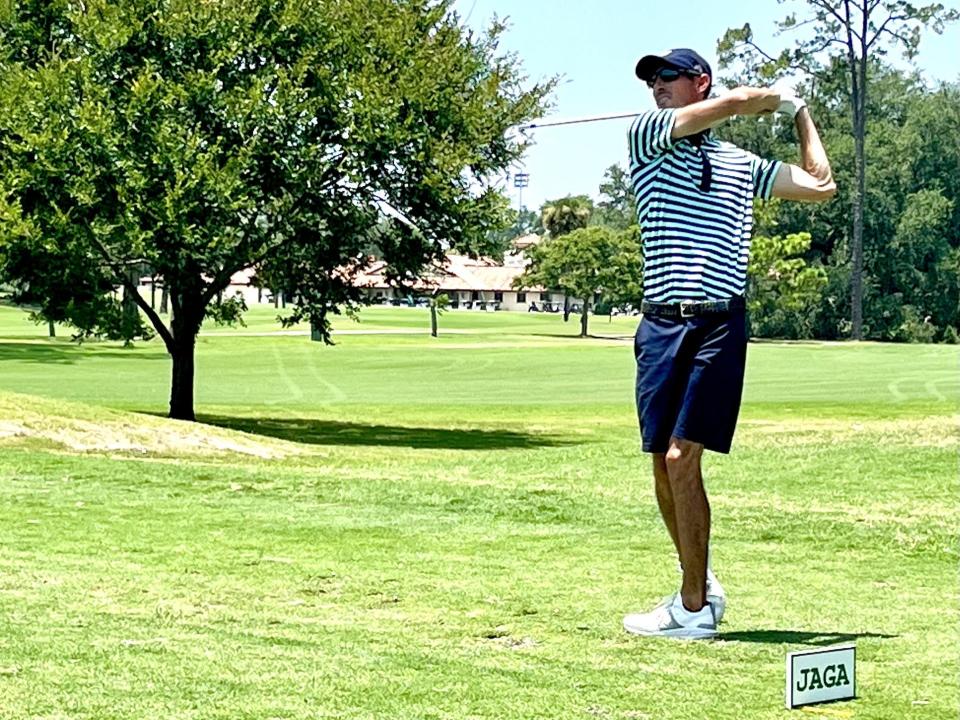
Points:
point(669, 75)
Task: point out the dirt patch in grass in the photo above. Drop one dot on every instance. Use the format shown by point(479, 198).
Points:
point(936, 431)
point(25, 419)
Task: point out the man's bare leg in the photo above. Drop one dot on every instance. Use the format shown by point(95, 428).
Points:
point(661, 482)
point(692, 512)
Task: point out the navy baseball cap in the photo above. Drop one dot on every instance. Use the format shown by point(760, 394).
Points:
point(678, 59)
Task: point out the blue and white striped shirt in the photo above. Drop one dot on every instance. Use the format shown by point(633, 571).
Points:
point(696, 217)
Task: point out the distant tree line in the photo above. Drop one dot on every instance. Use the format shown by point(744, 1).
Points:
point(911, 219)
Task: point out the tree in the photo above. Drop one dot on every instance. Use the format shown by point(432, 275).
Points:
point(439, 302)
point(913, 153)
point(565, 215)
point(784, 290)
point(862, 29)
point(517, 224)
point(617, 208)
point(201, 139)
point(588, 263)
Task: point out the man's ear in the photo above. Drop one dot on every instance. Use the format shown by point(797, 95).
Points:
point(703, 86)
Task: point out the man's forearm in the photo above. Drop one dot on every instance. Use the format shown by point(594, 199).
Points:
point(702, 115)
point(812, 153)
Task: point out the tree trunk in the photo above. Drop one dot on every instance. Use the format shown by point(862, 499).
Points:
point(164, 299)
point(566, 308)
point(50, 327)
point(131, 313)
point(584, 316)
point(860, 191)
point(153, 293)
point(187, 316)
point(433, 319)
point(856, 245)
point(181, 388)
point(315, 334)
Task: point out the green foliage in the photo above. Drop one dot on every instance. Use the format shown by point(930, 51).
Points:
point(784, 291)
point(592, 264)
point(911, 218)
point(834, 29)
point(563, 216)
point(844, 40)
point(617, 208)
point(202, 139)
point(517, 225)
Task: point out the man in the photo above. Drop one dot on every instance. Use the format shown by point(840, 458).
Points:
point(695, 207)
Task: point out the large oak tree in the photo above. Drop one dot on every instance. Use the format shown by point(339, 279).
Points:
point(197, 139)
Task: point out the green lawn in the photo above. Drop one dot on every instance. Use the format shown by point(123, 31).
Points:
point(407, 527)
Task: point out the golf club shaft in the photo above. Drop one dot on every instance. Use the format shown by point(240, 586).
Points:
point(575, 121)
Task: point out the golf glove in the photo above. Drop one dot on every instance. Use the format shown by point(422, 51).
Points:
point(791, 105)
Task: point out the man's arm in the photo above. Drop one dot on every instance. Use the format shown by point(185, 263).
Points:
point(814, 181)
point(702, 115)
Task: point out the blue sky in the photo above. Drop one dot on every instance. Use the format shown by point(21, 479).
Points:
point(594, 45)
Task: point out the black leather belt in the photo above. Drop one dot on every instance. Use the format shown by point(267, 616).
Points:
point(692, 308)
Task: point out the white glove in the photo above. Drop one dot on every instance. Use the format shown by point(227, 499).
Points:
point(791, 105)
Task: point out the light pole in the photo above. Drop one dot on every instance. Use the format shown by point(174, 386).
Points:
point(520, 181)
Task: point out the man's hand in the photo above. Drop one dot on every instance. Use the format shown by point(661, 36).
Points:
point(791, 105)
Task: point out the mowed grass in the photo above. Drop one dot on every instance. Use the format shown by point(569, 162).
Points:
point(407, 527)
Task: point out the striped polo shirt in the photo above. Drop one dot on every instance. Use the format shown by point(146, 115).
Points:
point(696, 217)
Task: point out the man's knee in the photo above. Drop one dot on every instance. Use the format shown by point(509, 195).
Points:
point(682, 455)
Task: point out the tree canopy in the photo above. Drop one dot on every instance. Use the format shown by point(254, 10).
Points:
point(847, 35)
point(200, 139)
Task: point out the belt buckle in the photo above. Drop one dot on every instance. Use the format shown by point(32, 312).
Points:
point(686, 308)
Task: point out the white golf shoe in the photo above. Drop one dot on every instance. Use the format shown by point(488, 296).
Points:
point(716, 595)
point(671, 619)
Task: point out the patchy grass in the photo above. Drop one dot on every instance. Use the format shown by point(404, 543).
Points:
point(401, 527)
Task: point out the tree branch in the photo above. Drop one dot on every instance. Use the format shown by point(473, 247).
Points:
point(825, 5)
point(155, 320)
point(115, 267)
point(883, 27)
point(759, 50)
point(808, 21)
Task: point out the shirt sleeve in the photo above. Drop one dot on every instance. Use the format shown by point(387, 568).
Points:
point(764, 173)
point(650, 135)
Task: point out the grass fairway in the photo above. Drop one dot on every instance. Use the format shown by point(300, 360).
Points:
point(404, 527)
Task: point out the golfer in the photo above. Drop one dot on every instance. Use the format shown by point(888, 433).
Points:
point(695, 208)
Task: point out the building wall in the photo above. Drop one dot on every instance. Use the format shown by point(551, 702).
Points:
point(486, 300)
point(251, 295)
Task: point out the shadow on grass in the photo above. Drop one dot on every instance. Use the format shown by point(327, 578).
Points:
point(578, 336)
point(329, 432)
point(791, 637)
point(57, 353)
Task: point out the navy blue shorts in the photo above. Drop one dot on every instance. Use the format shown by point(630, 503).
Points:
point(690, 379)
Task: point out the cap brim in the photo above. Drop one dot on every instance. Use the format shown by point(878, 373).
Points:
point(649, 64)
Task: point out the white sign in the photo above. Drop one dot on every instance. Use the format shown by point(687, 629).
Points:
point(816, 676)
